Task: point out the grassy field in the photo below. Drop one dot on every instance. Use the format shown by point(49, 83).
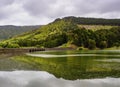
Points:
point(96, 27)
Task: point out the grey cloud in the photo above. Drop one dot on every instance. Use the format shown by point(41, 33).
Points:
point(6, 2)
point(3, 15)
point(4, 11)
point(51, 8)
point(111, 6)
point(44, 10)
point(99, 6)
point(38, 7)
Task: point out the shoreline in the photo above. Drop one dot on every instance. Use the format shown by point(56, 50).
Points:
point(29, 50)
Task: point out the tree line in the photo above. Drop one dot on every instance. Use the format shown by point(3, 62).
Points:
point(61, 32)
point(92, 21)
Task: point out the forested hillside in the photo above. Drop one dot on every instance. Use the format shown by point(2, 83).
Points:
point(91, 21)
point(10, 31)
point(63, 32)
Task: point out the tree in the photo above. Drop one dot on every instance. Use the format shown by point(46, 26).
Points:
point(103, 44)
point(117, 44)
point(91, 44)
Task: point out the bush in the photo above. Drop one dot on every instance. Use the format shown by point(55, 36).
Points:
point(9, 45)
point(3, 44)
point(39, 46)
point(13, 46)
point(80, 48)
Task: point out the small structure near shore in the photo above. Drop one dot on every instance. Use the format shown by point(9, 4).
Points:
point(20, 50)
point(27, 50)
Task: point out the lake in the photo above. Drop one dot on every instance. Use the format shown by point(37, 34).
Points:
point(93, 68)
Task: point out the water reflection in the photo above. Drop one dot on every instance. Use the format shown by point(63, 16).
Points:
point(68, 67)
point(44, 79)
point(72, 55)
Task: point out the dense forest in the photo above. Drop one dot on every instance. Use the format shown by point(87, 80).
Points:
point(91, 21)
point(62, 32)
point(9, 31)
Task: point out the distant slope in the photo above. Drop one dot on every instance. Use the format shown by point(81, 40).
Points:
point(10, 30)
point(91, 21)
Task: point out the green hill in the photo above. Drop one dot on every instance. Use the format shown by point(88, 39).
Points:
point(51, 35)
point(10, 30)
point(62, 32)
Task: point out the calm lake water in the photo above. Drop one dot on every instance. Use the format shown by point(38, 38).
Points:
point(99, 68)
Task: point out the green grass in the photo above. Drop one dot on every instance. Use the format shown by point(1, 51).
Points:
point(96, 27)
point(113, 48)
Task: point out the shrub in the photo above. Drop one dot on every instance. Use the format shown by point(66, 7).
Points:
point(117, 44)
point(80, 48)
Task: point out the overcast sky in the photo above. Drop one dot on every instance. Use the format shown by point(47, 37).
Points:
point(35, 12)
